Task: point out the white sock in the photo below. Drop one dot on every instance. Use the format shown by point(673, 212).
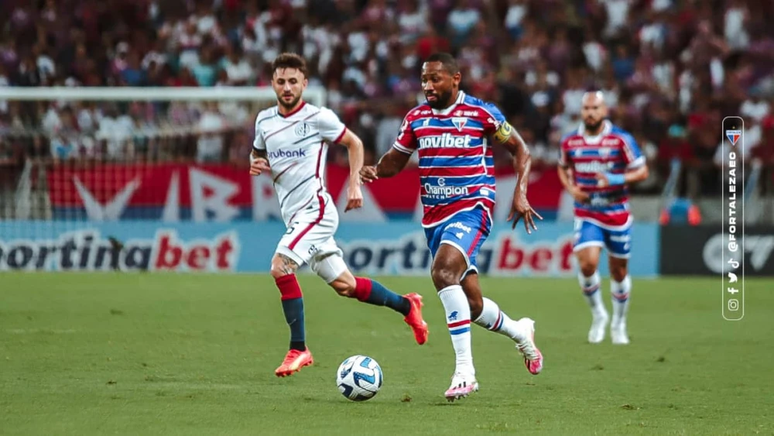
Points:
point(620, 292)
point(458, 319)
point(494, 319)
point(590, 287)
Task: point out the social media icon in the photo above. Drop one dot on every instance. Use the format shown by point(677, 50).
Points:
point(732, 278)
point(733, 305)
point(733, 290)
point(734, 264)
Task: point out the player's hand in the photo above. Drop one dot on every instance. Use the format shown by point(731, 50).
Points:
point(521, 208)
point(258, 166)
point(578, 195)
point(354, 197)
point(368, 174)
point(602, 180)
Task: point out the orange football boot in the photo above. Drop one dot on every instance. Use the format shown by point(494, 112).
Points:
point(414, 318)
point(294, 361)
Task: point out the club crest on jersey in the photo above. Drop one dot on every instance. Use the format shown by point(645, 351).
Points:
point(733, 136)
point(302, 129)
point(604, 152)
point(459, 123)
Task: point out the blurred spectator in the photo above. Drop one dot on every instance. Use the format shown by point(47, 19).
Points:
point(670, 71)
point(209, 147)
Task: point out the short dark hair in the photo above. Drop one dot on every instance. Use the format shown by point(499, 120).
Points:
point(447, 60)
point(289, 60)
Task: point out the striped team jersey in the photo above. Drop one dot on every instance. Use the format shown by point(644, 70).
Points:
point(612, 151)
point(456, 164)
point(296, 146)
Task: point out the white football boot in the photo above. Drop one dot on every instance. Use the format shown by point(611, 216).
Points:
point(462, 385)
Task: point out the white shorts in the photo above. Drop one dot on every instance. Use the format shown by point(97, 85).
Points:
point(309, 240)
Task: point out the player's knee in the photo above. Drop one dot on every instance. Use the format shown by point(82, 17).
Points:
point(587, 268)
point(444, 276)
point(277, 271)
point(618, 272)
point(281, 268)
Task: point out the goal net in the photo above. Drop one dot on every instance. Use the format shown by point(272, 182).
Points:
point(80, 166)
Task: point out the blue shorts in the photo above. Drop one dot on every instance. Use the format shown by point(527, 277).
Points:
point(589, 234)
point(465, 231)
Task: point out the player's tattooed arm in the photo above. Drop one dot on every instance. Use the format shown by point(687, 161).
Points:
point(389, 165)
point(522, 163)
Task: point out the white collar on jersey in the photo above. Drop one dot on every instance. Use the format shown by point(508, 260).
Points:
point(606, 129)
point(447, 111)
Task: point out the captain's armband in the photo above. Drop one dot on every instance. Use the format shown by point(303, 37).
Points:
point(503, 133)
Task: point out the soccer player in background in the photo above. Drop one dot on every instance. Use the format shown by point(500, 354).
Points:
point(290, 144)
point(596, 164)
point(451, 131)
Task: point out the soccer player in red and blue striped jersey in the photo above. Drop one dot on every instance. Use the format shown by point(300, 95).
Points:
point(451, 132)
point(597, 162)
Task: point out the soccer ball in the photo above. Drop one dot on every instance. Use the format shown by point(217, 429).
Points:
point(359, 378)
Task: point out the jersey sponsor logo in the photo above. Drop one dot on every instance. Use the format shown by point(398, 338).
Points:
point(598, 201)
point(289, 154)
point(593, 167)
point(461, 113)
point(575, 142)
point(459, 225)
point(446, 140)
point(302, 130)
point(445, 191)
point(610, 141)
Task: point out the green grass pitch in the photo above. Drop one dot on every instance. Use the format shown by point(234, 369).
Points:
point(173, 354)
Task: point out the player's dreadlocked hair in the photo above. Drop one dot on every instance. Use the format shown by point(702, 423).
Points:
point(289, 60)
point(447, 60)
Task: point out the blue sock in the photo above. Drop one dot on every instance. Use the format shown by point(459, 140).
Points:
point(294, 315)
point(372, 292)
point(293, 306)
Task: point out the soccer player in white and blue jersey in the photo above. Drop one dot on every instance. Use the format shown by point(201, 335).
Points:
point(450, 131)
point(291, 141)
point(597, 162)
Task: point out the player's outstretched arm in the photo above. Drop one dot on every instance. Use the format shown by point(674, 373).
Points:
point(522, 163)
point(389, 165)
point(259, 162)
point(355, 151)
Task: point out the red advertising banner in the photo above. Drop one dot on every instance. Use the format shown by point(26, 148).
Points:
point(174, 192)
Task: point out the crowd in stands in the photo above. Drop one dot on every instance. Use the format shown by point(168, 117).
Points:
point(670, 70)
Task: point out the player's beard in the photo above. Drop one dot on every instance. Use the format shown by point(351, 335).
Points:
point(291, 104)
point(592, 126)
point(441, 101)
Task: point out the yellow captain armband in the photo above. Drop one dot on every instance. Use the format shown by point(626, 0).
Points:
point(503, 133)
